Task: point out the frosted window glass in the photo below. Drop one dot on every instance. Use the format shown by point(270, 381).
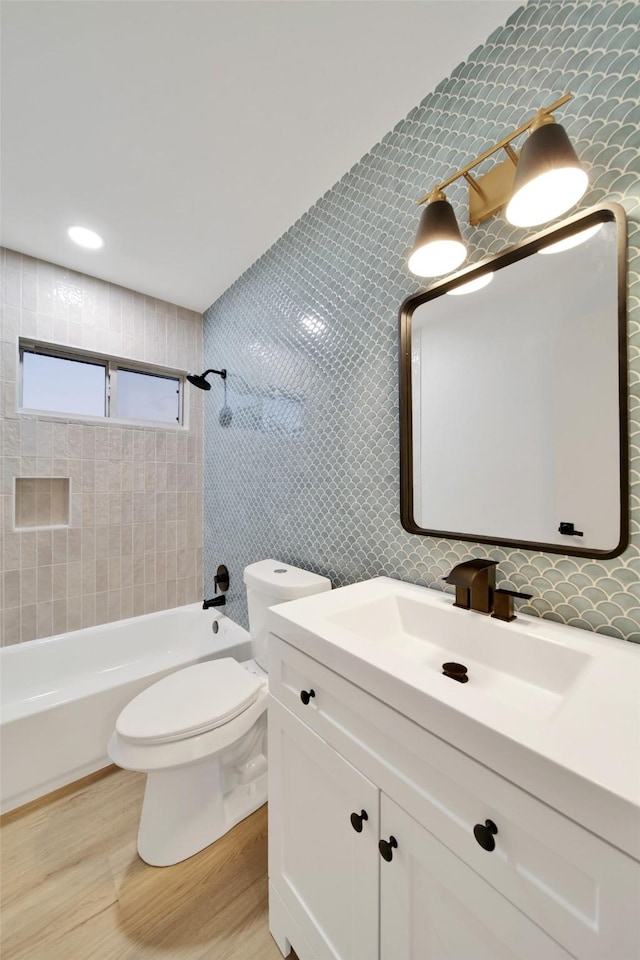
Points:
point(143, 396)
point(62, 385)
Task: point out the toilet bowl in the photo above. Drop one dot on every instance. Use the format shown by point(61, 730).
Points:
point(200, 733)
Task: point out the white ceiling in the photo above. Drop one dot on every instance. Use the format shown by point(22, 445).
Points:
point(191, 135)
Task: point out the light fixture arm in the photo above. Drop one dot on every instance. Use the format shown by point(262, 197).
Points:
point(542, 116)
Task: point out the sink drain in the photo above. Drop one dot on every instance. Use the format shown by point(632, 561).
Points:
point(456, 671)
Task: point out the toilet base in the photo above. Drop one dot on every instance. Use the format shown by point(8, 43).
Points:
point(185, 810)
point(189, 807)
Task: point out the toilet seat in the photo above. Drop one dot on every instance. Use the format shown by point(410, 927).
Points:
point(148, 757)
point(189, 703)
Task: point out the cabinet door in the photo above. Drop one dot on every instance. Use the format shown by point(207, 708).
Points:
point(434, 907)
point(325, 871)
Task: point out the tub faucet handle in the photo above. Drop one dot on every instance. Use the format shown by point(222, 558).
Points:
point(221, 579)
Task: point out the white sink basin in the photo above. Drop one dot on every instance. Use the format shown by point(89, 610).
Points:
point(392, 638)
point(519, 667)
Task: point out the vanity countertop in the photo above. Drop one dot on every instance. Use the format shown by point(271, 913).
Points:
point(552, 708)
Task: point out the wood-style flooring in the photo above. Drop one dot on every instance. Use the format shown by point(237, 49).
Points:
point(74, 888)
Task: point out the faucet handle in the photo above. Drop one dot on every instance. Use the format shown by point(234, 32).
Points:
point(221, 579)
point(503, 603)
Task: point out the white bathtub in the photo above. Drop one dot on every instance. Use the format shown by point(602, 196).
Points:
point(60, 697)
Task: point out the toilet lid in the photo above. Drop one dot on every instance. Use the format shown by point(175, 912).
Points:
point(188, 702)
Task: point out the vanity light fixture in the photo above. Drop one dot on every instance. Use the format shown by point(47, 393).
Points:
point(539, 185)
point(549, 179)
point(439, 246)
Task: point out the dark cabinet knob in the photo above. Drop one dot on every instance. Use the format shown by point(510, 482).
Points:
point(386, 848)
point(484, 834)
point(305, 695)
point(357, 820)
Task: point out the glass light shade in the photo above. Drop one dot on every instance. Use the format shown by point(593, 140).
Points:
point(439, 247)
point(472, 285)
point(549, 179)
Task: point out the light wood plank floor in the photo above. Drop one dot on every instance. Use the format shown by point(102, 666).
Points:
point(74, 888)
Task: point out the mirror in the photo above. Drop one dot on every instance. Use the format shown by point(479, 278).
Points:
point(513, 409)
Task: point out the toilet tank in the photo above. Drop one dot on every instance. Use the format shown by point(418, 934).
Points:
point(269, 582)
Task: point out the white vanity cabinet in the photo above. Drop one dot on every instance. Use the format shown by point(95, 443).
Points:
point(549, 889)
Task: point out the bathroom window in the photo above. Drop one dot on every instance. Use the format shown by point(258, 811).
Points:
point(146, 396)
point(63, 384)
point(77, 384)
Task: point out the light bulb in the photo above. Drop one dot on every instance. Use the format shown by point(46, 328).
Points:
point(437, 257)
point(546, 197)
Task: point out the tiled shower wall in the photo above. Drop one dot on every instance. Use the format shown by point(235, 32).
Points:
point(303, 466)
point(134, 540)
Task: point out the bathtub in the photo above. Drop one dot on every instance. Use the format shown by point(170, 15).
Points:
point(60, 696)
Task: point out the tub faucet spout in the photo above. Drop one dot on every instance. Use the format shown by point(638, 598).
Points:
point(214, 602)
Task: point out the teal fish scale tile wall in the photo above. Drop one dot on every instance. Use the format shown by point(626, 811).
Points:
point(302, 465)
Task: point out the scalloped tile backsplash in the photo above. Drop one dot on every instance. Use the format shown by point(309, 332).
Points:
point(301, 452)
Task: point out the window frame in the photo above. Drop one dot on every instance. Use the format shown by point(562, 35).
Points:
point(111, 366)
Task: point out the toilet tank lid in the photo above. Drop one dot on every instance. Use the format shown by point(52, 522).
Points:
point(283, 581)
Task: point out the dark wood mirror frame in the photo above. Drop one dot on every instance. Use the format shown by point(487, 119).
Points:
point(597, 214)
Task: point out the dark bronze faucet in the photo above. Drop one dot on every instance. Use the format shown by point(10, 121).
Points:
point(214, 602)
point(475, 583)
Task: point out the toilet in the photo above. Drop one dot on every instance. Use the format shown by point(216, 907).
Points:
point(200, 733)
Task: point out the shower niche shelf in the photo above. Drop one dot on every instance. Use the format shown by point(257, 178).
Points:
point(41, 502)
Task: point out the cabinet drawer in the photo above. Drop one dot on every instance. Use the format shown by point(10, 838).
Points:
point(581, 890)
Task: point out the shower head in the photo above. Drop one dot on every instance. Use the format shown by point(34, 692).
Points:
point(199, 379)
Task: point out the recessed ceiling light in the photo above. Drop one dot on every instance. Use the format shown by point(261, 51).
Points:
point(85, 237)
